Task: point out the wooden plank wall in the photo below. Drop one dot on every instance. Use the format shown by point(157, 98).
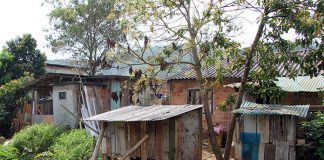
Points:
point(175, 138)
point(277, 135)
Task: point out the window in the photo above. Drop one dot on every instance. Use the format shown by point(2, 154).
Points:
point(193, 97)
point(44, 106)
point(62, 95)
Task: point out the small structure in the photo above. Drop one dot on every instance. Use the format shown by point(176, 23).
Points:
point(267, 132)
point(152, 132)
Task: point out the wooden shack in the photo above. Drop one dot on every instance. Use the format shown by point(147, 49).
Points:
point(267, 132)
point(152, 132)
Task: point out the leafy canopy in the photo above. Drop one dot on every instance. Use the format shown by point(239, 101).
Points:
point(81, 27)
point(25, 57)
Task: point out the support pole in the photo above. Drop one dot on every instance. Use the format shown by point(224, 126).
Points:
point(98, 143)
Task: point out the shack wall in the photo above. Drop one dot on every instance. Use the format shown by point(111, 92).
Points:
point(266, 137)
point(70, 102)
point(175, 138)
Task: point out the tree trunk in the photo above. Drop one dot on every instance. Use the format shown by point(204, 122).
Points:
point(247, 67)
point(203, 94)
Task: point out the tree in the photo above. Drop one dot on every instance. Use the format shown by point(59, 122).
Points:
point(11, 98)
point(24, 57)
point(199, 29)
point(81, 27)
point(6, 58)
point(193, 33)
point(276, 19)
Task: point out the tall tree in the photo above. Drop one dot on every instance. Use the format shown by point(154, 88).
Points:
point(25, 58)
point(199, 29)
point(277, 18)
point(192, 32)
point(81, 27)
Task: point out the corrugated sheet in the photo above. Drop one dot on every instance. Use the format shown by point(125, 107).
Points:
point(211, 72)
point(301, 84)
point(143, 113)
point(250, 108)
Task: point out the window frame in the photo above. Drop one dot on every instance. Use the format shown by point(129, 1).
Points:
point(194, 102)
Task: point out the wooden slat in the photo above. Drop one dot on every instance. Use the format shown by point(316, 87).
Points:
point(144, 146)
point(282, 150)
point(291, 129)
point(172, 138)
point(269, 151)
point(263, 128)
point(151, 142)
point(279, 130)
point(165, 139)
point(292, 153)
point(158, 140)
point(261, 151)
point(179, 137)
point(250, 123)
point(316, 108)
point(190, 146)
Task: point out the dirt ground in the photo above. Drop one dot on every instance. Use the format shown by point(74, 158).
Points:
point(207, 153)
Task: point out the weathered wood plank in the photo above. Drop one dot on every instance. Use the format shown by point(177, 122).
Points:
point(238, 151)
point(269, 151)
point(282, 150)
point(151, 141)
point(165, 139)
point(137, 145)
point(291, 129)
point(292, 153)
point(144, 146)
point(172, 138)
point(158, 140)
point(179, 137)
point(250, 123)
point(263, 128)
point(190, 147)
point(261, 151)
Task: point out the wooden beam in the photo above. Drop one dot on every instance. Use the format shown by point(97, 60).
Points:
point(135, 147)
point(315, 108)
point(144, 146)
point(98, 143)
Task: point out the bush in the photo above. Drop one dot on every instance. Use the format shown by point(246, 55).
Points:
point(73, 145)
point(35, 139)
point(8, 153)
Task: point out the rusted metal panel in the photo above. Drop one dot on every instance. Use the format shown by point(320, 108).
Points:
point(143, 113)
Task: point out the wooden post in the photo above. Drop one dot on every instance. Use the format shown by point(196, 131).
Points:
point(135, 147)
point(98, 143)
point(144, 147)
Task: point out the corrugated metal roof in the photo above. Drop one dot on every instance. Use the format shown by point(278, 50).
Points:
point(143, 113)
point(211, 72)
point(250, 108)
point(301, 84)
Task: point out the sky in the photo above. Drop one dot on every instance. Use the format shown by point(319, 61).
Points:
point(18, 17)
point(29, 16)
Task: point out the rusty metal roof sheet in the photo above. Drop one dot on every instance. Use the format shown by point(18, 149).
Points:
point(143, 113)
point(211, 72)
point(250, 108)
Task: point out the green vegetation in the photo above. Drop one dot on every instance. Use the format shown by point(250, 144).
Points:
point(35, 139)
point(315, 132)
point(11, 98)
point(7, 153)
point(73, 145)
point(44, 141)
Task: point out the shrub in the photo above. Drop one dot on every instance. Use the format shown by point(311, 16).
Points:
point(73, 145)
point(8, 153)
point(35, 139)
